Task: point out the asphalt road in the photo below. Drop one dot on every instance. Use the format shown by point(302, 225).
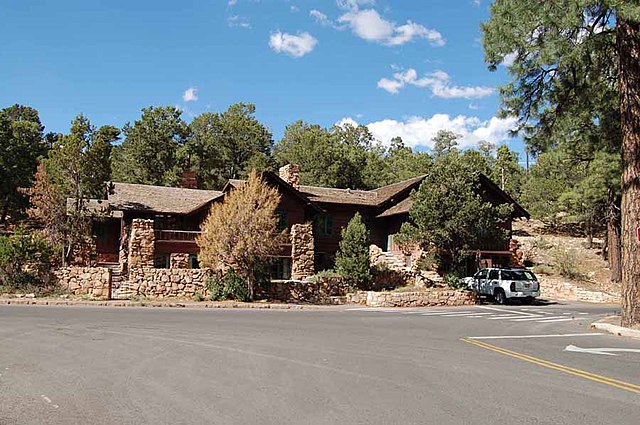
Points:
point(83, 365)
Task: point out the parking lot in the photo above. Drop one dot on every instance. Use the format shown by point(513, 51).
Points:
point(484, 365)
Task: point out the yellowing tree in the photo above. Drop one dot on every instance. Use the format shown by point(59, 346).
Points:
point(241, 232)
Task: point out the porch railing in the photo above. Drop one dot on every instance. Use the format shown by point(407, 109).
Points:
point(176, 235)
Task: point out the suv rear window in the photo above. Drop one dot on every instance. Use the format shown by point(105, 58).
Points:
point(517, 275)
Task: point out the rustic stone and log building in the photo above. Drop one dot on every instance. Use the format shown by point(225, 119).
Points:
point(148, 229)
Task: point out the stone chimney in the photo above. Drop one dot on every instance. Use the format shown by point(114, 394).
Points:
point(291, 174)
point(188, 180)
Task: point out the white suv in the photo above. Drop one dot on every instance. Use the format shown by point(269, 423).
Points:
point(504, 284)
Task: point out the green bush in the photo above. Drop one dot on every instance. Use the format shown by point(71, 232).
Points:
point(324, 274)
point(428, 261)
point(25, 260)
point(229, 286)
point(566, 264)
point(453, 281)
point(198, 297)
point(352, 259)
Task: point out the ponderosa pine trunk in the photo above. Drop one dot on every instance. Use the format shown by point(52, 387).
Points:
point(613, 238)
point(628, 45)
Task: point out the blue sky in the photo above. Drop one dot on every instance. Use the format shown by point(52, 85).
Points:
point(406, 68)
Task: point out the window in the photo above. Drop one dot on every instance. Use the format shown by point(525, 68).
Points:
point(280, 268)
point(323, 225)
point(283, 220)
point(493, 274)
point(517, 275)
point(161, 261)
point(193, 261)
point(482, 274)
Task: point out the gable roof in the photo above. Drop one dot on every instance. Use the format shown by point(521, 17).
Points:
point(374, 198)
point(386, 193)
point(161, 199)
point(278, 181)
point(404, 206)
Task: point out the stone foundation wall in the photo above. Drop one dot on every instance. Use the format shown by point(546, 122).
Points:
point(141, 244)
point(320, 290)
point(562, 290)
point(427, 298)
point(167, 283)
point(302, 251)
point(92, 281)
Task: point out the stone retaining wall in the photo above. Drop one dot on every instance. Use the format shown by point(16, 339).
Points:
point(320, 290)
point(92, 281)
point(167, 283)
point(562, 290)
point(427, 298)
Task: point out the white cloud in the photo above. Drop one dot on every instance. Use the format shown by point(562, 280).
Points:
point(235, 21)
point(232, 2)
point(293, 45)
point(294, 8)
point(346, 121)
point(407, 32)
point(419, 131)
point(353, 4)
point(475, 2)
point(369, 25)
point(439, 82)
point(392, 86)
point(319, 17)
point(509, 58)
point(190, 94)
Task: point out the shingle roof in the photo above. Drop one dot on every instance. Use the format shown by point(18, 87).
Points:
point(401, 207)
point(387, 192)
point(375, 197)
point(331, 195)
point(162, 199)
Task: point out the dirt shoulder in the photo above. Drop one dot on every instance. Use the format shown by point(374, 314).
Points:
point(556, 256)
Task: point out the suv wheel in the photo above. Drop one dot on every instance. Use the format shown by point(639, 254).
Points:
point(500, 296)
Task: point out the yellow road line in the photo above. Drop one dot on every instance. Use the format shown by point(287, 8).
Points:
point(555, 366)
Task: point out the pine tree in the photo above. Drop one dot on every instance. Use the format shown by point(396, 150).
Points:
point(352, 259)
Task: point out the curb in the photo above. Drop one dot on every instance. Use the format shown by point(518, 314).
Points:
point(615, 329)
point(168, 304)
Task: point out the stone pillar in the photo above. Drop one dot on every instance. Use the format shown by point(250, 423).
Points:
point(141, 244)
point(123, 253)
point(302, 251)
point(291, 174)
point(179, 260)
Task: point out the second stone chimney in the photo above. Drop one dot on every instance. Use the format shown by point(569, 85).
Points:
point(291, 174)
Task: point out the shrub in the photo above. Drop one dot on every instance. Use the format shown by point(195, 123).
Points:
point(352, 260)
point(25, 260)
point(324, 274)
point(386, 279)
point(229, 286)
point(543, 269)
point(453, 281)
point(198, 297)
point(428, 261)
point(566, 264)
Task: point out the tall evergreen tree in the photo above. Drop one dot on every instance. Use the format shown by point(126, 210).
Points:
point(21, 147)
point(149, 151)
point(575, 64)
